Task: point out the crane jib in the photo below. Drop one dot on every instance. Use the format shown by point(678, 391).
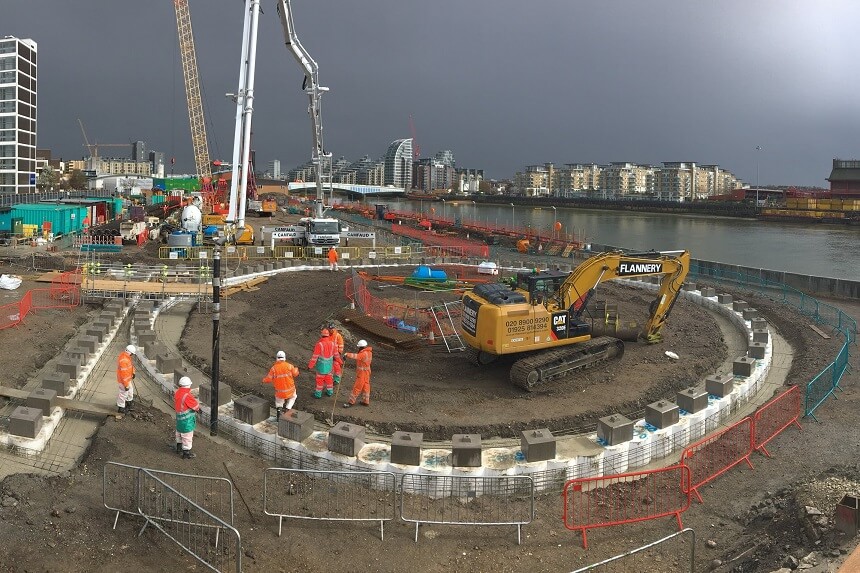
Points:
point(630, 268)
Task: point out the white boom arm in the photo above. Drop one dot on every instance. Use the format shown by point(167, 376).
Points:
point(311, 86)
point(244, 98)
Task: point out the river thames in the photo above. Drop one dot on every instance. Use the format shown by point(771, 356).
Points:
point(822, 250)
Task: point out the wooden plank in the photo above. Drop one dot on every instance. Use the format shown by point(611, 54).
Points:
point(67, 403)
point(820, 332)
point(48, 277)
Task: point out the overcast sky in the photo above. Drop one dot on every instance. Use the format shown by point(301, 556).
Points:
point(502, 83)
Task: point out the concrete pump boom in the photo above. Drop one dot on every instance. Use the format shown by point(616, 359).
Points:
point(311, 86)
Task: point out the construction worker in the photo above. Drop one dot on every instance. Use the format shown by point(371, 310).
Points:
point(332, 259)
point(361, 388)
point(186, 407)
point(124, 376)
point(323, 361)
point(338, 341)
point(281, 375)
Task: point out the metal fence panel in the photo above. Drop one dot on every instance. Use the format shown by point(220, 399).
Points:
point(713, 456)
point(774, 417)
point(818, 389)
point(193, 528)
point(670, 549)
point(330, 495)
point(120, 489)
point(467, 500)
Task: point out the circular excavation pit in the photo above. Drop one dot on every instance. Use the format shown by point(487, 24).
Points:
point(425, 388)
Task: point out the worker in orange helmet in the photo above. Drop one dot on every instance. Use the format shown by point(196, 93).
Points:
point(332, 259)
point(124, 376)
point(338, 341)
point(323, 361)
point(361, 388)
point(282, 376)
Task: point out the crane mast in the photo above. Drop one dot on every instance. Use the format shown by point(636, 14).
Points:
point(320, 159)
point(192, 90)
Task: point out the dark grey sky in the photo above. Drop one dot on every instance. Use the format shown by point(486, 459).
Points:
point(502, 83)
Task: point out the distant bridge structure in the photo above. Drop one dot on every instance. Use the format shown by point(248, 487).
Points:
point(354, 191)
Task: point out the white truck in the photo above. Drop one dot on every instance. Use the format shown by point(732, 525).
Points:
point(129, 230)
point(310, 232)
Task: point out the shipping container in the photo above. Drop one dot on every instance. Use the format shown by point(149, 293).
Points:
point(6, 220)
point(64, 219)
point(172, 183)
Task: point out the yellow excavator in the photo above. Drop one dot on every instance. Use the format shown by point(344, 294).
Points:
point(540, 316)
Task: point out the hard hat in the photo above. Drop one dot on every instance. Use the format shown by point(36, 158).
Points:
point(325, 332)
point(330, 326)
point(131, 349)
point(361, 343)
point(185, 382)
point(280, 355)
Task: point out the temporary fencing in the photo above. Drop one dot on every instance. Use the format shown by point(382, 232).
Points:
point(774, 417)
point(443, 245)
point(467, 500)
point(713, 456)
point(625, 498)
point(64, 293)
point(190, 509)
point(330, 495)
point(670, 548)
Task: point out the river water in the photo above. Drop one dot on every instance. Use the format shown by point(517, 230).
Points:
point(821, 250)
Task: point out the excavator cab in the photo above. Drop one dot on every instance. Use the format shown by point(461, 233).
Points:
point(541, 285)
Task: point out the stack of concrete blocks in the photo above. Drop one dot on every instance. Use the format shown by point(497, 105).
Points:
point(346, 439)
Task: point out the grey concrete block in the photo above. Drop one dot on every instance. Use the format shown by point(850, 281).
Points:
point(758, 323)
point(739, 305)
point(167, 363)
point(708, 292)
point(406, 448)
point(295, 425)
point(56, 381)
point(153, 348)
point(68, 367)
point(690, 286)
point(661, 414)
point(251, 409)
point(466, 450)
point(269, 267)
point(537, 445)
point(760, 335)
point(114, 310)
point(107, 317)
point(692, 399)
point(743, 366)
point(719, 385)
point(756, 350)
point(750, 313)
point(77, 354)
point(225, 394)
point(101, 322)
point(615, 429)
point(724, 298)
point(141, 326)
point(42, 399)
point(98, 332)
point(25, 422)
point(89, 343)
point(346, 439)
point(145, 337)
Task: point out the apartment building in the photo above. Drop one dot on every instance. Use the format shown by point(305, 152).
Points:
point(535, 181)
point(18, 96)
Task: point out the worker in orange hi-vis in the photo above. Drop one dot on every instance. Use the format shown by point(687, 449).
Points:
point(323, 361)
point(282, 376)
point(332, 259)
point(338, 341)
point(361, 388)
point(124, 377)
point(186, 407)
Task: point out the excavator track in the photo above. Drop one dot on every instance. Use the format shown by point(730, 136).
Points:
point(550, 365)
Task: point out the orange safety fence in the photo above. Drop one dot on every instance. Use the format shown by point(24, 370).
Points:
point(64, 292)
point(775, 416)
point(394, 314)
point(713, 456)
point(443, 244)
point(625, 498)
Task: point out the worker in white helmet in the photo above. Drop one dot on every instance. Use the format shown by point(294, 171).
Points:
point(124, 377)
point(361, 388)
point(282, 376)
point(187, 407)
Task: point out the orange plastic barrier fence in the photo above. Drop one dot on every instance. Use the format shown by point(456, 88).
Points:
point(64, 292)
point(775, 416)
point(442, 244)
point(625, 498)
point(713, 456)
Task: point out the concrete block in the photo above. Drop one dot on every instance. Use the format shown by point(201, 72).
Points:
point(179, 373)
point(756, 350)
point(114, 310)
point(760, 335)
point(251, 409)
point(269, 267)
point(739, 305)
point(690, 286)
point(25, 422)
point(466, 450)
point(56, 381)
point(724, 298)
point(153, 349)
point(719, 384)
point(77, 354)
point(141, 326)
point(98, 332)
point(224, 393)
point(42, 399)
point(750, 313)
point(260, 268)
point(89, 343)
point(406, 448)
point(537, 445)
point(615, 429)
point(68, 367)
point(102, 322)
point(759, 323)
point(295, 425)
point(692, 399)
point(708, 292)
point(743, 366)
point(166, 363)
point(145, 337)
point(107, 317)
point(661, 414)
point(346, 439)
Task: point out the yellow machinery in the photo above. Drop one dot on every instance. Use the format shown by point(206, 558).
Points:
point(544, 313)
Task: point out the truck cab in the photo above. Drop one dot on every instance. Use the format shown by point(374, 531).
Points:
point(321, 232)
